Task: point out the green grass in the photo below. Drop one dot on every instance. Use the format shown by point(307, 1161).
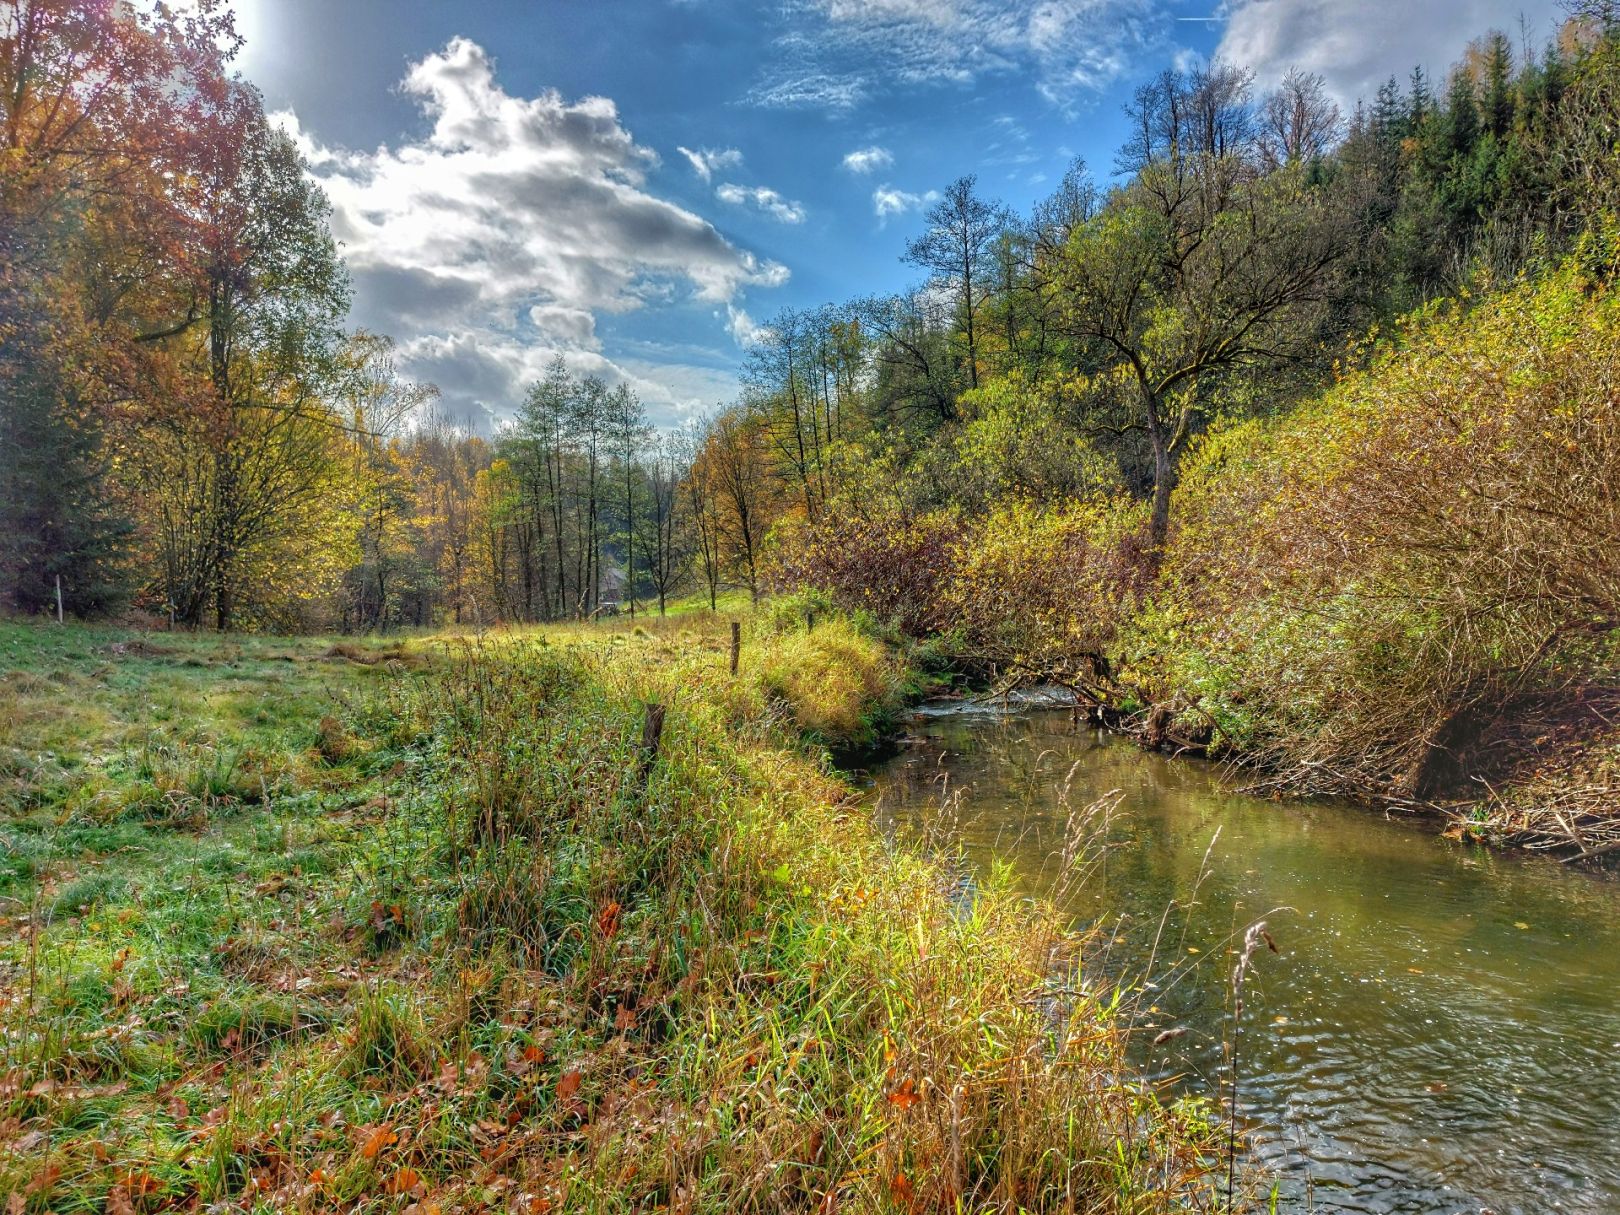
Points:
point(732, 603)
point(296, 925)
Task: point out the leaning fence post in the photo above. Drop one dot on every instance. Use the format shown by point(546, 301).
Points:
point(736, 645)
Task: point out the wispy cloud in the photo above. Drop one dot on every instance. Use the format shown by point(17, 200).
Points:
point(836, 53)
point(706, 162)
point(887, 201)
point(503, 235)
point(868, 160)
point(763, 198)
point(810, 91)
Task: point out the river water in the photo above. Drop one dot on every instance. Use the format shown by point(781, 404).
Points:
point(1440, 1031)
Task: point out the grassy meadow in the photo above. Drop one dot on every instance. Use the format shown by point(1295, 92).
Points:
point(424, 925)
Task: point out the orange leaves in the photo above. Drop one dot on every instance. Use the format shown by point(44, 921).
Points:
point(130, 1188)
point(139, 1183)
point(568, 1099)
point(405, 1181)
point(373, 1139)
point(905, 1095)
point(448, 1078)
point(44, 1179)
point(607, 921)
point(374, 1143)
point(386, 920)
point(568, 1084)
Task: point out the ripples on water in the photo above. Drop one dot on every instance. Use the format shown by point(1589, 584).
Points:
point(1441, 1032)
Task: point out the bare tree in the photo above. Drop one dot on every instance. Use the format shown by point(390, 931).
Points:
point(779, 372)
point(911, 357)
point(1180, 118)
point(957, 250)
point(1299, 122)
point(702, 503)
point(667, 534)
point(626, 431)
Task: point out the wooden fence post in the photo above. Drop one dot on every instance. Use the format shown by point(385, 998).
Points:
point(652, 734)
point(736, 645)
point(59, 599)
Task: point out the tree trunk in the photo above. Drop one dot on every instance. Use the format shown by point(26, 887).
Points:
point(1163, 469)
point(1163, 479)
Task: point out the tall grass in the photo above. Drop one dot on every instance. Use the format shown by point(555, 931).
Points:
point(531, 972)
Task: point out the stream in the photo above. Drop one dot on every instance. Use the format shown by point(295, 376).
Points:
point(1440, 1031)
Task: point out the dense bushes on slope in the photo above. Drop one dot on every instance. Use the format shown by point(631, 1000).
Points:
point(1381, 591)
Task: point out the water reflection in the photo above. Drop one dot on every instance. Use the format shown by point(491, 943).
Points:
point(1441, 1031)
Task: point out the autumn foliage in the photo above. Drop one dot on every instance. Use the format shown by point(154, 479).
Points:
point(1405, 588)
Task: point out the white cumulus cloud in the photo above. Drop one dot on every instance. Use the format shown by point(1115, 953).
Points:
point(706, 162)
point(868, 160)
point(745, 331)
point(762, 198)
point(502, 236)
point(887, 201)
point(1356, 45)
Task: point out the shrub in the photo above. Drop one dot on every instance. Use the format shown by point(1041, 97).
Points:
point(1044, 591)
point(891, 567)
point(1386, 583)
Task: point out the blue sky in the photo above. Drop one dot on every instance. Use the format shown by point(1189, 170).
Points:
point(636, 184)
